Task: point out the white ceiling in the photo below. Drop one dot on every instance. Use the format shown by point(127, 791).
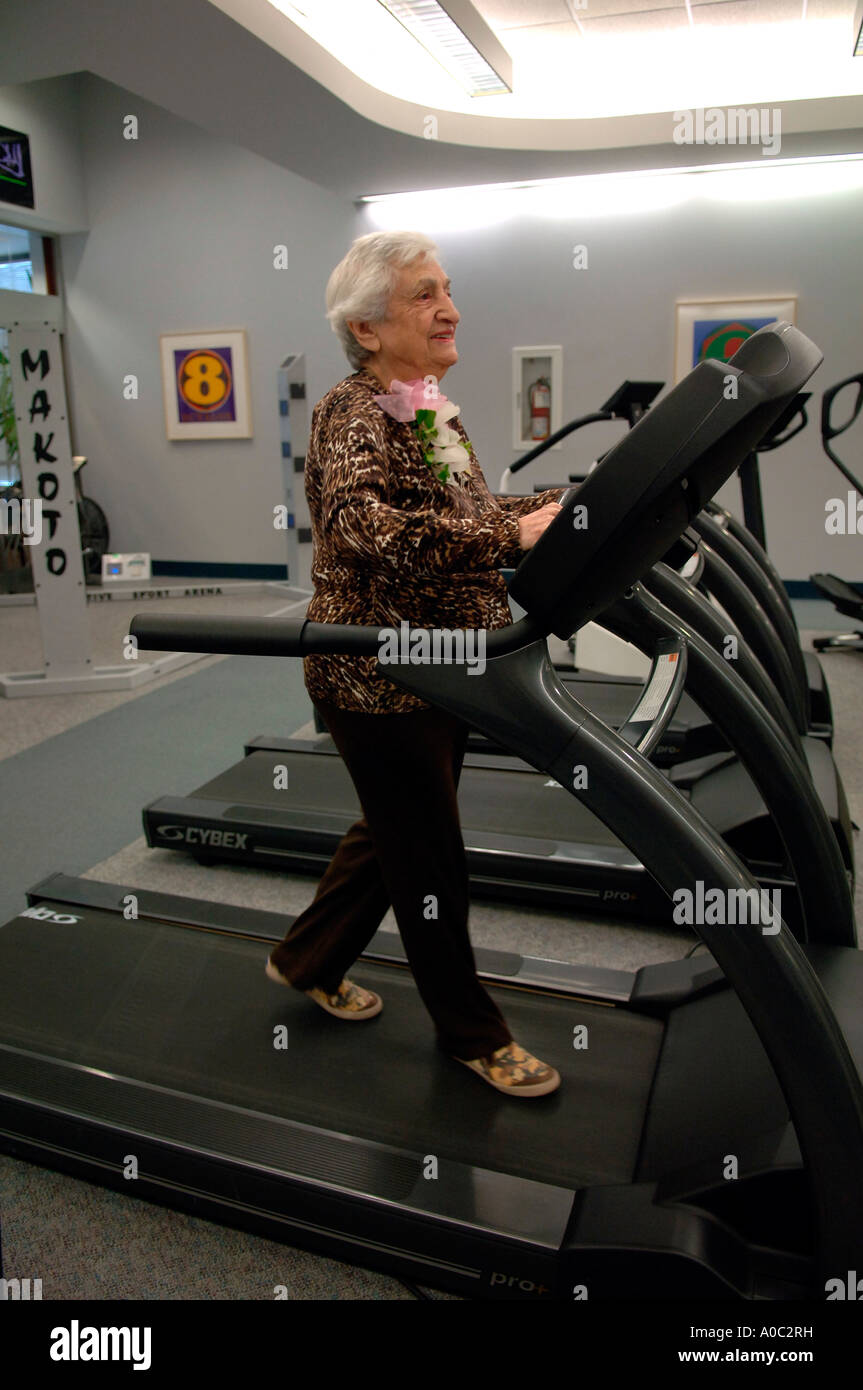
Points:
point(582, 59)
point(629, 15)
point(241, 70)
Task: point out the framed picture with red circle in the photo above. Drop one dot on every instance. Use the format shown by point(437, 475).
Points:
point(717, 327)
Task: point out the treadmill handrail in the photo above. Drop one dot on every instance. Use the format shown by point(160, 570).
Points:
point(778, 771)
point(729, 548)
point(686, 602)
point(744, 537)
point(724, 582)
point(651, 714)
point(579, 423)
point(783, 429)
point(297, 637)
point(612, 409)
point(829, 432)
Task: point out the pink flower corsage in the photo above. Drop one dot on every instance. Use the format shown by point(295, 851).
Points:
point(421, 404)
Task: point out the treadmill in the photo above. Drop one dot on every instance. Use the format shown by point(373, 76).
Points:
point(766, 611)
point(725, 571)
point(751, 536)
point(837, 416)
point(742, 546)
point(526, 842)
point(613, 1187)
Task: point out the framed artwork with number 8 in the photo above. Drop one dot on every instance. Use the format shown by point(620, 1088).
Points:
point(205, 380)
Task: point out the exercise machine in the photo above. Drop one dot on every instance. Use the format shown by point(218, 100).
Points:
point(287, 802)
point(629, 402)
point(761, 608)
point(617, 1185)
point(845, 597)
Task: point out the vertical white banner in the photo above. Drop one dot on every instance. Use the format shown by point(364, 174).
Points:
point(47, 478)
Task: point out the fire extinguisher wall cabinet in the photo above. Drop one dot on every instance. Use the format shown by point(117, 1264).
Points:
point(537, 374)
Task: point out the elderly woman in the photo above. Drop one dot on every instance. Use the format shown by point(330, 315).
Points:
point(404, 529)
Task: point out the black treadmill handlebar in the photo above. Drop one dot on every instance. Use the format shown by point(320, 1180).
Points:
point(651, 714)
point(784, 428)
point(831, 431)
point(227, 636)
point(628, 402)
point(275, 637)
point(555, 438)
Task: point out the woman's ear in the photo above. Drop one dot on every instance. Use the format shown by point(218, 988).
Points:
point(365, 334)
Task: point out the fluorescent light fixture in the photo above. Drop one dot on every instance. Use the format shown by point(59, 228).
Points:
point(615, 194)
point(365, 38)
point(791, 179)
point(569, 78)
point(458, 37)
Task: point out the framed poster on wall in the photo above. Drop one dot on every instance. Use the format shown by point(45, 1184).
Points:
point(205, 381)
point(717, 327)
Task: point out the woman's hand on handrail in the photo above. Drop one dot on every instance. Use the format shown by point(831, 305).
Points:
point(531, 527)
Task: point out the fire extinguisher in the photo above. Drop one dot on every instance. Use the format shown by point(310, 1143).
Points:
point(540, 409)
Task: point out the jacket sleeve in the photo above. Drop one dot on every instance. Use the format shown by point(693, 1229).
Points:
point(361, 527)
point(522, 506)
point(512, 507)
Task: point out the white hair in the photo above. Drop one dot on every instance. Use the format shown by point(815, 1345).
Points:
point(362, 283)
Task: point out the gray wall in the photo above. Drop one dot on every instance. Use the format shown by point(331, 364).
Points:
point(181, 230)
point(48, 112)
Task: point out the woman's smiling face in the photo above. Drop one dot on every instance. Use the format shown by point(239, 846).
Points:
point(417, 337)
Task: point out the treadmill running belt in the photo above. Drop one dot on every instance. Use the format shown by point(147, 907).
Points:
point(500, 802)
point(193, 1012)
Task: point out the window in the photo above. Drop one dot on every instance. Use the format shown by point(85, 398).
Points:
point(16, 260)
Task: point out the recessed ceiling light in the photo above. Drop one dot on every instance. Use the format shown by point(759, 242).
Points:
point(457, 36)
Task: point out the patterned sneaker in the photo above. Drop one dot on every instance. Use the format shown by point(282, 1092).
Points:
point(515, 1072)
point(350, 1001)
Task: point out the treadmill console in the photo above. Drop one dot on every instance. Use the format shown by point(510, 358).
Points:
point(657, 478)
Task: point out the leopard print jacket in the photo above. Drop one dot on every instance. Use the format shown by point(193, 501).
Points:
point(391, 542)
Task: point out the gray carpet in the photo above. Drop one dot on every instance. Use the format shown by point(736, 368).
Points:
point(75, 779)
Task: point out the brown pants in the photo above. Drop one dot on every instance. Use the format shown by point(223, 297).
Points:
point(406, 851)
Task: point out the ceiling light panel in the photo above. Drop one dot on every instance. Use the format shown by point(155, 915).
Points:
point(364, 38)
point(460, 40)
point(733, 56)
point(518, 14)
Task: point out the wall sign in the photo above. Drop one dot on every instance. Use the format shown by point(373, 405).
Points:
point(39, 390)
point(16, 174)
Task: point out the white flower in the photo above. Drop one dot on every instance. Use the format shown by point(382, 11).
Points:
point(446, 437)
point(445, 412)
point(455, 456)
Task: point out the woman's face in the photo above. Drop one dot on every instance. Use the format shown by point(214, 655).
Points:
point(417, 337)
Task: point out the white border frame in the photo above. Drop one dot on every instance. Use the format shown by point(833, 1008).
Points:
point(235, 338)
point(688, 311)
